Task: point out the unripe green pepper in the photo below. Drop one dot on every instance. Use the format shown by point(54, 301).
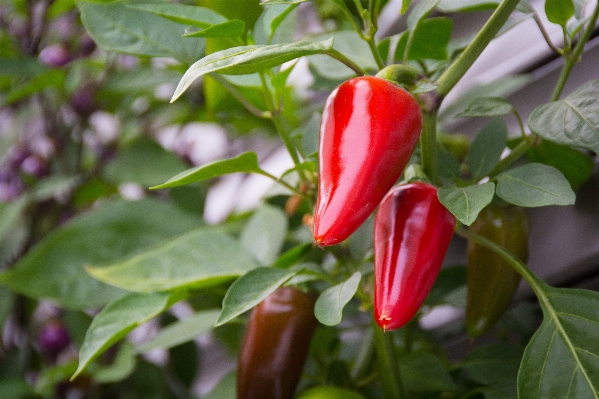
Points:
point(492, 282)
point(329, 392)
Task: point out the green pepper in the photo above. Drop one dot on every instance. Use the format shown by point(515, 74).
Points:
point(329, 392)
point(492, 282)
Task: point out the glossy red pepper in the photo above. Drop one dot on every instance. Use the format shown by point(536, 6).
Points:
point(369, 130)
point(412, 231)
point(275, 345)
point(492, 282)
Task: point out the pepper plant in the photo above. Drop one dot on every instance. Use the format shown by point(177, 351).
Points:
point(101, 229)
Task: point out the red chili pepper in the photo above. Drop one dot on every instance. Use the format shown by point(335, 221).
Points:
point(412, 231)
point(275, 346)
point(369, 130)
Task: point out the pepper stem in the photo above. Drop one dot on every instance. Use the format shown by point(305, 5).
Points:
point(461, 65)
point(535, 283)
point(575, 55)
point(428, 145)
point(389, 368)
point(399, 73)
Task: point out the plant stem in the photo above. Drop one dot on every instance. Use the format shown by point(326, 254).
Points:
point(239, 97)
point(351, 19)
point(283, 183)
point(538, 286)
point(375, 51)
point(461, 65)
point(276, 118)
point(513, 156)
point(520, 123)
point(544, 32)
point(364, 355)
point(360, 10)
point(428, 145)
point(389, 369)
point(346, 61)
point(575, 55)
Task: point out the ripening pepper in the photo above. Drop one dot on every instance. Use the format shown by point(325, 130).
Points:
point(369, 130)
point(275, 345)
point(492, 282)
point(412, 231)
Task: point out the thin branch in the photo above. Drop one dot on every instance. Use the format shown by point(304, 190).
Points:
point(239, 97)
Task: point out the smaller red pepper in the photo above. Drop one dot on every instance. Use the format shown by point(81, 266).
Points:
point(412, 231)
point(275, 345)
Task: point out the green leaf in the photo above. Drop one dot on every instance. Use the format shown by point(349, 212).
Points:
point(205, 22)
point(420, 11)
point(6, 303)
point(181, 331)
point(347, 42)
point(293, 255)
point(117, 319)
point(449, 166)
point(488, 106)
point(51, 78)
point(559, 11)
point(534, 185)
point(562, 358)
point(248, 59)
point(54, 187)
point(486, 148)
point(466, 202)
point(449, 280)
point(306, 136)
point(496, 88)
point(360, 242)
point(579, 6)
point(251, 289)
point(430, 39)
point(243, 163)
point(329, 305)
point(183, 14)
point(15, 388)
point(454, 6)
point(121, 367)
point(50, 377)
point(226, 387)
point(139, 80)
point(425, 372)
point(116, 27)
point(142, 161)
point(21, 67)
point(576, 166)
point(201, 258)
point(271, 2)
point(276, 24)
point(405, 5)
point(264, 234)
point(234, 28)
point(493, 364)
point(573, 121)
point(53, 269)
point(503, 390)
point(10, 213)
